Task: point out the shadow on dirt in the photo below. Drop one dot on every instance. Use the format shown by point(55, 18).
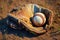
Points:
point(8, 30)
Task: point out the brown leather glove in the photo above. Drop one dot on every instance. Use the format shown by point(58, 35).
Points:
point(24, 16)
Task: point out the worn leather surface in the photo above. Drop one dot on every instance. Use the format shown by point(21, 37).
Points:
point(28, 12)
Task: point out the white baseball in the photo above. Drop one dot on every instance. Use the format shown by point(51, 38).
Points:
point(39, 19)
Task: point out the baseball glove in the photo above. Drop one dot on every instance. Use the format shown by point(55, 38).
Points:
point(27, 13)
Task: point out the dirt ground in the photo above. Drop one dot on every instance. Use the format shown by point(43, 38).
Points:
point(7, 33)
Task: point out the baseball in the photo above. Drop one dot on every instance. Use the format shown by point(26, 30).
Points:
point(39, 19)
